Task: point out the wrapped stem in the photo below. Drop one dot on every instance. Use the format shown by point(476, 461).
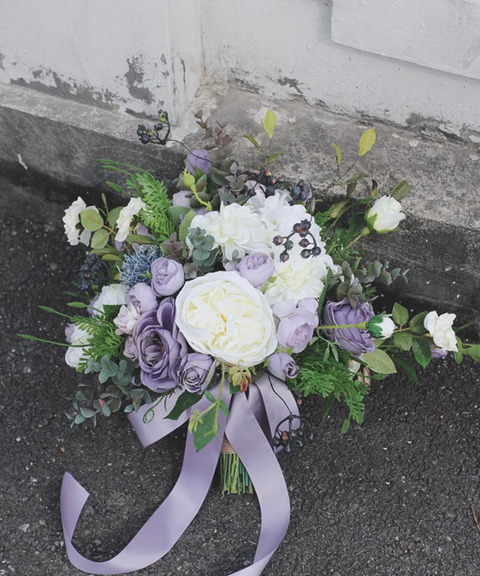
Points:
point(234, 478)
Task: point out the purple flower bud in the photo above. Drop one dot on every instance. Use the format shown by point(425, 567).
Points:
point(355, 340)
point(296, 330)
point(198, 159)
point(142, 297)
point(257, 268)
point(167, 276)
point(195, 372)
point(281, 365)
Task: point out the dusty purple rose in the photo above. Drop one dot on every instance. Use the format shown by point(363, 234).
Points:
point(195, 372)
point(167, 276)
point(142, 297)
point(182, 198)
point(198, 159)
point(281, 365)
point(257, 268)
point(296, 326)
point(159, 345)
point(438, 353)
point(355, 340)
point(130, 350)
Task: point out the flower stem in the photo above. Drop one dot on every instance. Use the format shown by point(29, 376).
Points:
point(360, 325)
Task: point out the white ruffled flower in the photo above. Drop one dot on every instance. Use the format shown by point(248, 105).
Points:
point(223, 315)
point(126, 320)
point(76, 352)
point(440, 329)
point(72, 218)
point(125, 217)
point(235, 228)
point(114, 294)
point(385, 215)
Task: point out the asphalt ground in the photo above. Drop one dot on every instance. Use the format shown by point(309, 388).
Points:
point(396, 496)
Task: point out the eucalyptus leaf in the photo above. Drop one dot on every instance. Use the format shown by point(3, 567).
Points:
point(140, 239)
point(91, 219)
point(100, 238)
point(185, 225)
point(113, 216)
point(176, 212)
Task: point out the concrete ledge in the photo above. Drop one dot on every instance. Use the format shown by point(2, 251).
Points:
point(60, 141)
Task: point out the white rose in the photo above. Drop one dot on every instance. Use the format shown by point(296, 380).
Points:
point(114, 294)
point(72, 218)
point(125, 217)
point(235, 227)
point(385, 215)
point(440, 329)
point(126, 320)
point(76, 352)
point(223, 315)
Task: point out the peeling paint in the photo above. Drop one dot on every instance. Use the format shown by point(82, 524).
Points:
point(134, 77)
point(290, 82)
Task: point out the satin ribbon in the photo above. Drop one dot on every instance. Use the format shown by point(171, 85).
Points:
point(269, 401)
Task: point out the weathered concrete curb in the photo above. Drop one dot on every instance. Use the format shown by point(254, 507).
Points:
point(60, 141)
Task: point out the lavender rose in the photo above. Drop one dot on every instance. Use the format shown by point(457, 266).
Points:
point(257, 268)
point(167, 276)
point(296, 324)
point(282, 365)
point(438, 353)
point(198, 159)
point(141, 296)
point(355, 340)
point(195, 372)
point(159, 345)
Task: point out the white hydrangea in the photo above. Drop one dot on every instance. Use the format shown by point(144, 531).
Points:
point(114, 294)
point(125, 217)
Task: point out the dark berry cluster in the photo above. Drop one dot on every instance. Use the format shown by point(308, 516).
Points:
point(272, 182)
point(307, 241)
point(92, 271)
point(300, 192)
point(292, 439)
point(152, 135)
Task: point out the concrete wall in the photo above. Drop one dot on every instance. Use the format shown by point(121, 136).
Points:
point(404, 61)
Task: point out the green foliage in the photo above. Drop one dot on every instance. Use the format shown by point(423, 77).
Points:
point(184, 401)
point(421, 351)
point(399, 314)
point(379, 361)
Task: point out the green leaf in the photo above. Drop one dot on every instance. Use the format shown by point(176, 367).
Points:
point(91, 219)
point(379, 361)
point(271, 159)
point(224, 409)
point(339, 208)
point(100, 238)
point(252, 140)
point(416, 323)
point(185, 225)
point(403, 340)
point(351, 188)
point(205, 431)
point(113, 216)
point(367, 140)
point(269, 123)
point(140, 239)
point(473, 352)
point(400, 314)
point(400, 190)
point(177, 211)
point(421, 351)
point(327, 405)
point(357, 177)
point(338, 152)
point(87, 412)
point(346, 426)
point(409, 369)
point(184, 401)
point(111, 258)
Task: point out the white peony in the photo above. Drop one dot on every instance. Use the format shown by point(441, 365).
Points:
point(235, 228)
point(72, 218)
point(76, 352)
point(126, 320)
point(223, 315)
point(125, 217)
point(440, 329)
point(113, 294)
point(385, 215)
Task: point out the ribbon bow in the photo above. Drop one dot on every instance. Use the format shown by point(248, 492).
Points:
point(251, 419)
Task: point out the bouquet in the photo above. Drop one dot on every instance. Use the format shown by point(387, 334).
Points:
point(212, 299)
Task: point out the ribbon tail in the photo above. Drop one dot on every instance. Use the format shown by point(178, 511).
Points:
point(164, 527)
point(254, 450)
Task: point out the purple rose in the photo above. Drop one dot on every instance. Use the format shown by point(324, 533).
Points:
point(438, 353)
point(356, 340)
point(130, 350)
point(167, 276)
point(281, 365)
point(142, 297)
point(257, 268)
point(159, 345)
point(296, 325)
point(182, 198)
point(69, 330)
point(195, 372)
point(198, 159)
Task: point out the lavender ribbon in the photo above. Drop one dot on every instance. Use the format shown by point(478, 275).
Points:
point(269, 401)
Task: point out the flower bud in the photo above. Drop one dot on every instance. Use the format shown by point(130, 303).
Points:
point(381, 327)
point(385, 215)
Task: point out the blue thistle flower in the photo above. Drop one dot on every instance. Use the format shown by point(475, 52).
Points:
point(136, 267)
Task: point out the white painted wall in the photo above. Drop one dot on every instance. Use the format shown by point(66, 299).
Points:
point(401, 60)
point(113, 52)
